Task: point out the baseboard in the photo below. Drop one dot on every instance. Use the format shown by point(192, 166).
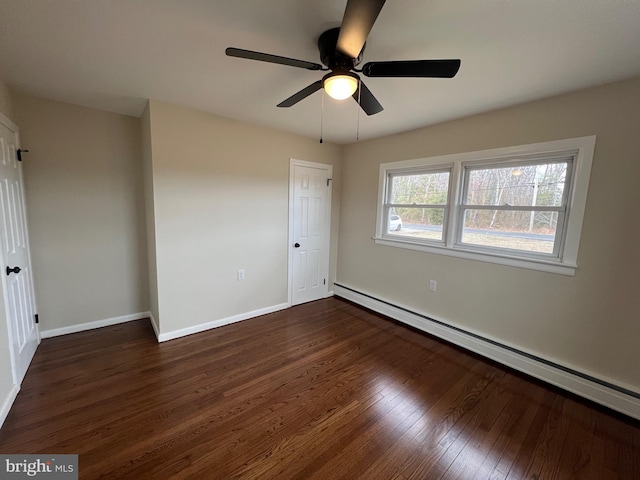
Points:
point(155, 326)
point(163, 337)
point(8, 402)
point(599, 390)
point(81, 327)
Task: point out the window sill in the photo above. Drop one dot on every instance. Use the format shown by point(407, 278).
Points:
point(511, 261)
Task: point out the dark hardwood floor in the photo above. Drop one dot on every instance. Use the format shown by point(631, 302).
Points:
point(325, 390)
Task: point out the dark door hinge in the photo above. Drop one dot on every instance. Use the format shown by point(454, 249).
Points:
point(329, 180)
point(19, 153)
point(37, 319)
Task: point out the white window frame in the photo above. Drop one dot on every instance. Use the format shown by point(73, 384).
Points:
point(564, 259)
point(387, 205)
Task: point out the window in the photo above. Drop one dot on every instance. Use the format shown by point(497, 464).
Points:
point(521, 206)
point(419, 200)
point(515, 206)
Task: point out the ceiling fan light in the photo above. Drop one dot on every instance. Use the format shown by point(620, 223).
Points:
point(340, 86)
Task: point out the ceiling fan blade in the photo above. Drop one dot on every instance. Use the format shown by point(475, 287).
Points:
point(302, 94)
point(412, 68)
point(367, 101)
point(357, 21)
point(266, 57)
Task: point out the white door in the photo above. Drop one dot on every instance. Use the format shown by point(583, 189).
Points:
point(16, 262)
point(310, 204)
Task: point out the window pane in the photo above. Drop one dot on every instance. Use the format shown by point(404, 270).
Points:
point(423, 223)
point(516, 230)
point(525, 185)
point(421, 189)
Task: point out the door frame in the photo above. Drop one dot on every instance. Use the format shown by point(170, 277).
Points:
point(327, 244)
point(6, 121)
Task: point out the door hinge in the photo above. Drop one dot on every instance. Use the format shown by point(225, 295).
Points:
point(36, 317)
point(325, 281)
point(19, 153)
point(329, 180)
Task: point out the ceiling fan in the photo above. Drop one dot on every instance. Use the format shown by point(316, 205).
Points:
point(341, 51)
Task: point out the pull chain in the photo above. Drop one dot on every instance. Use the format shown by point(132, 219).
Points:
point(359, 108)
point(321, 113)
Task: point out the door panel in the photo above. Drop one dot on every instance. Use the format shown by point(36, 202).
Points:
point(310, 232)
point(18, 284)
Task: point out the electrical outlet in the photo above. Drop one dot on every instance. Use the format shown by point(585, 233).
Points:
point(433, 285)
point(241, 274)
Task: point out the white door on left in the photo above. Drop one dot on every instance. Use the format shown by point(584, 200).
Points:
point(16, 260)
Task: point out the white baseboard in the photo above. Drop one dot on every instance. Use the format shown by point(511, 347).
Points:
point(599, 390)
point(8, 402)
point(81, 327)
point(155, 326)
point(163, 337)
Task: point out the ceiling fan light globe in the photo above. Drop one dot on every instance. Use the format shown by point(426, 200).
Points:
point(340, 86)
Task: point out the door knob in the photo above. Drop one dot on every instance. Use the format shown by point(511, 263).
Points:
point(13, 270)
point(297, 245)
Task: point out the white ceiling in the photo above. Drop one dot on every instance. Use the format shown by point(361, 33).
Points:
point(114, 54)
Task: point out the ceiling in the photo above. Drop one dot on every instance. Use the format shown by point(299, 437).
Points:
point(115, 54)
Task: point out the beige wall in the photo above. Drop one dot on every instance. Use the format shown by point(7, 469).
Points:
point(150, 223)
point(6, 104)
point(221, 203)
point(591, 321)
point(83, 182)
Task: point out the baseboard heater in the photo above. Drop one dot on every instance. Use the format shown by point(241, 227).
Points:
point(605, 393)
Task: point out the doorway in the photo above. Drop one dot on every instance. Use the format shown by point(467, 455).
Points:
point(309, 230)
point(15, 258)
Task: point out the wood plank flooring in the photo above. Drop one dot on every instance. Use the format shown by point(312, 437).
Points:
point(325, 390)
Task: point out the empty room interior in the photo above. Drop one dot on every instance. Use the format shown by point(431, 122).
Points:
point(219, 264)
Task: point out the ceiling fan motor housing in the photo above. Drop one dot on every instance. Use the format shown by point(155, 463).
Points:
point(330, 56)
